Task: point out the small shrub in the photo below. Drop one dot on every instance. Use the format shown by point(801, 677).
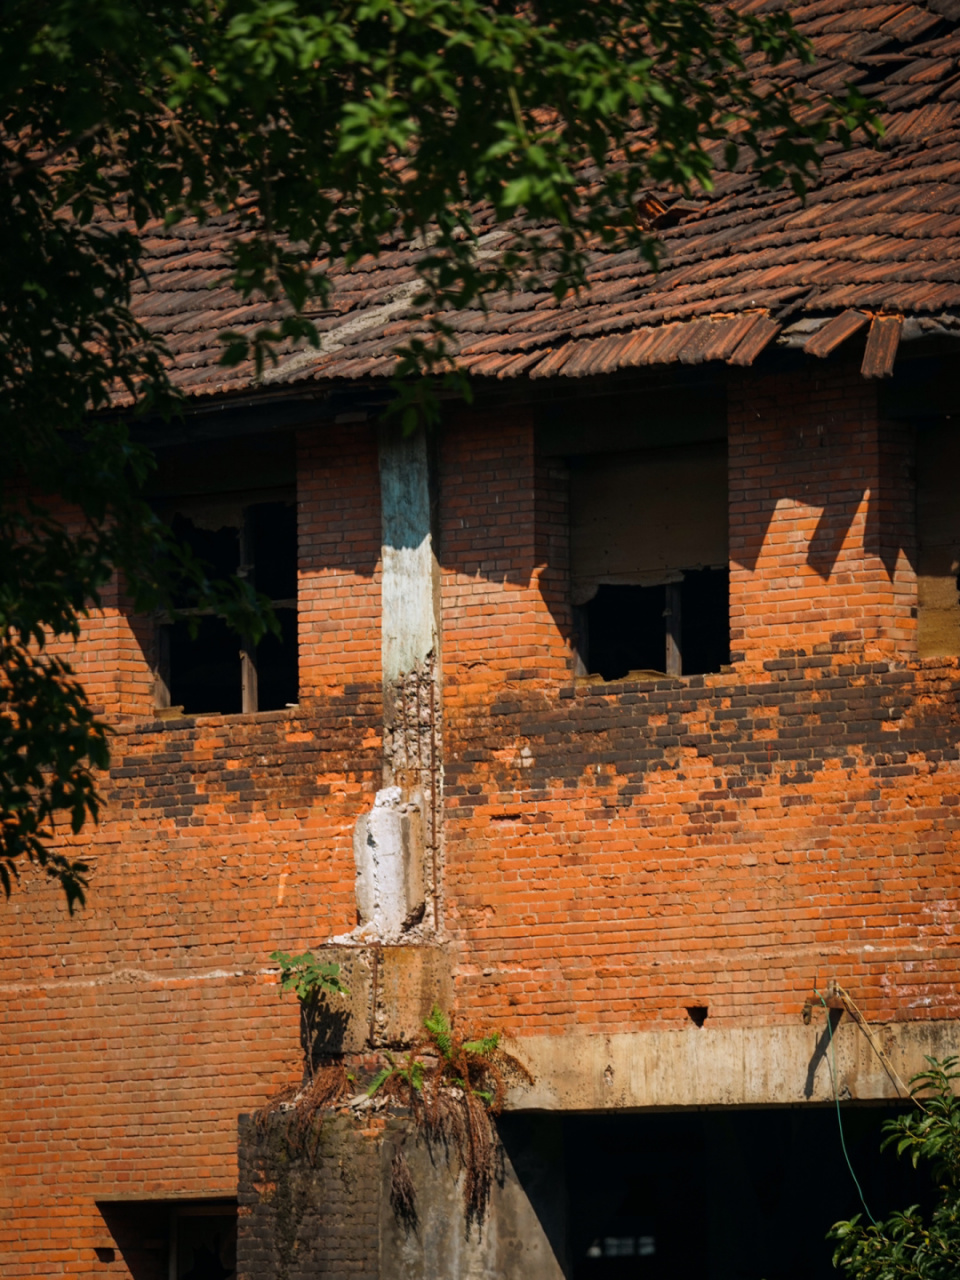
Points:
point(307, 976)
point(903, 1246)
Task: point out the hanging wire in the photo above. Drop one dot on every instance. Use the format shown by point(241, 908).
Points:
point(852, 1008)
point(836, 1095)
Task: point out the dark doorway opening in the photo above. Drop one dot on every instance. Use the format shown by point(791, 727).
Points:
point(712, 1195)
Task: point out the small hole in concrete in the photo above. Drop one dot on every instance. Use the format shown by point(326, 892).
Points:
point(698, 1013)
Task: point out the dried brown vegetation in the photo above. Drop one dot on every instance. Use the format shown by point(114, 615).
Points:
point(454, 1088)
point(303, 1107)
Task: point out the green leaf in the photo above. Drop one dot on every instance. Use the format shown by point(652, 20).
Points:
point(483, 1047)
point(440, 1030)
point(379, 1080)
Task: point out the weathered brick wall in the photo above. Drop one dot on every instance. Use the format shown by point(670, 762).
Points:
point(612, 853)
point(137, 1030)
point(616, 853)
point(309, 1209)
point(821, 517)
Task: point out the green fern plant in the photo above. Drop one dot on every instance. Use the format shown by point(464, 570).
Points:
point(458, 1062)
point(410, 1072)
point(453, 1088)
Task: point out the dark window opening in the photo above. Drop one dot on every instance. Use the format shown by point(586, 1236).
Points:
point(204, 1246)
point(681, 628)
point(158, 1240)
point(205, 666)
point(704, 630)
point(218, 548)
point(649, 561)
point(625, 631)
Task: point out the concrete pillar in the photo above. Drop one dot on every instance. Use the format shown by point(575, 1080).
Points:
point(396, 845)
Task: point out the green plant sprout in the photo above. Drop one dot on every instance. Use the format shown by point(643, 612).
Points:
point(307, 976)
point(457, 1059)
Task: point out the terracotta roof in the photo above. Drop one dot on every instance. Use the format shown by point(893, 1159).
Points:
point(878, 236)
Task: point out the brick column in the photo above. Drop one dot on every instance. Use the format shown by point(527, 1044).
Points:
point(819, 539)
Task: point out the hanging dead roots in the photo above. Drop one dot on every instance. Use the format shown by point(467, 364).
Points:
point(454, 1088)
point(403, 1194)
point(303, 1107)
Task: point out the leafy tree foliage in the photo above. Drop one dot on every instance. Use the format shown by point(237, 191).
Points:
point(904, 1246)
point(326, 129)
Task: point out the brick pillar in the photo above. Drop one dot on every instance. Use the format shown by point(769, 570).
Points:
point(338, 498)
point(505, 612)
point(819, 554)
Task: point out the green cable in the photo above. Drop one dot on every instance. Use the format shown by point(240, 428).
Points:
point(836, 1096)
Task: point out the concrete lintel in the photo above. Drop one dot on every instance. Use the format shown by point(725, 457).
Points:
point(712, 1067)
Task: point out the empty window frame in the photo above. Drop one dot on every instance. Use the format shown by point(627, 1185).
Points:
point(938, 540)
point(649, 571)
point(202, 664)
point(233, 501)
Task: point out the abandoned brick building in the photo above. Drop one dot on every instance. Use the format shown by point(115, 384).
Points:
point(639, 677)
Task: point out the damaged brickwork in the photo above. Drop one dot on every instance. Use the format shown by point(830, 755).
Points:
point(613, 854)
point(412, 760)
point(304, 1215)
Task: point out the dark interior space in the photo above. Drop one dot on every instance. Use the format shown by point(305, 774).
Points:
point(277, 667)
point(624, 631)
point(202, 659)
point(711, 1195)
point(158, 1240)
point(271, 533)
point(705, 621)
point(625, 627)
point(205, 667)
point(205, 1243)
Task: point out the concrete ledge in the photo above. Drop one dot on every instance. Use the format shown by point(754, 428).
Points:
point(700, 1067)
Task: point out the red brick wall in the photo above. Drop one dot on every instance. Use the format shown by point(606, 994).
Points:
point(497, 626)
point(612, 853)
point(136, 1031)
point(616, 853)
point(817, 494)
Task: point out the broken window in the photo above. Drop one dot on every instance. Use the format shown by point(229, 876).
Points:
point(235, 526)
point(938, 539)
point(649, 571)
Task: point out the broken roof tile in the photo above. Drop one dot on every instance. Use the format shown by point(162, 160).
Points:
point(758, 337)
point(881, 349)
point(834, 332)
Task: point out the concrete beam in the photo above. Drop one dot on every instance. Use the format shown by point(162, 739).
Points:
point(705, 1067)
point(392, 990)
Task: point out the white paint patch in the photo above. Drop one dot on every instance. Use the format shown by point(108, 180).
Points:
point(408, 618)
point(388, 853)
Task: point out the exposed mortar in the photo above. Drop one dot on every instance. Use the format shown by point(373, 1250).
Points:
point(413, 761)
